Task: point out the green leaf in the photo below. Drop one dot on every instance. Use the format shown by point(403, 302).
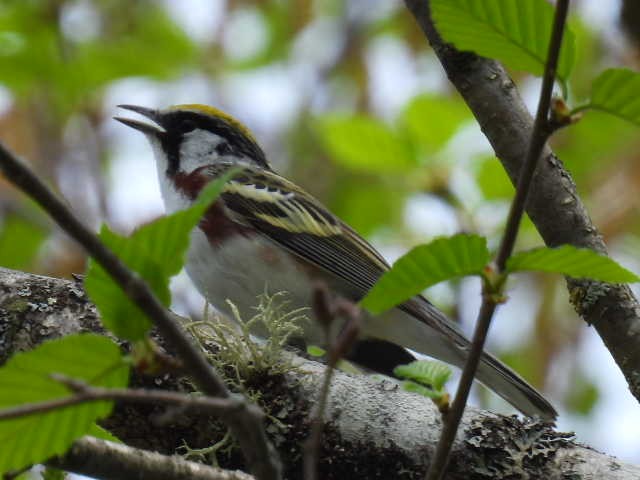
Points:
point(365, 144)
point(156, 252)
point(166, 239)
point(35, 53)
point(425, 372)
point(276, 19)
point(369, 206)
point(583, 396)
point(515, 32)
point(617, 92)
point(20, 241)
point(427, 378)
point(589, 145)
point(26, 378)
point(98, 432)
point(315, 351)
point(118, 313)
point(428, 392)
point(50, 473)
point(493, 180)
point(432, 120)
point(442, 259)
point(573, 262)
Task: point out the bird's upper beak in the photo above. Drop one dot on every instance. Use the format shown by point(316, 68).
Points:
point(154, 129)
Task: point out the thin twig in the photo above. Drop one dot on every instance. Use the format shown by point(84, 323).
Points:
point(313, 443)
point(106, 460)
point(87, 393)
point(541, 132)
point(246, 425)
point(326, 312)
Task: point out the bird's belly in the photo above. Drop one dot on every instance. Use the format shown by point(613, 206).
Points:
point(241, 269)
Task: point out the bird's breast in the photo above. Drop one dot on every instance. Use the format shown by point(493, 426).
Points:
point(219, 228)
point(240, 268)
point(181, 191)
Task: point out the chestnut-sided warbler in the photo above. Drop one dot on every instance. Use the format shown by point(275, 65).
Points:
point(265, 233)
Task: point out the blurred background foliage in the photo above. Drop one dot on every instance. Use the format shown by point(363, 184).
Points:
point(350, 102)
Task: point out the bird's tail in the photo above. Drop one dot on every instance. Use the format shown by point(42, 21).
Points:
point(513, 388)
point(423, 328)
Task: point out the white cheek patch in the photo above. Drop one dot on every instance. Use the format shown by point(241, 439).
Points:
point(198, 148)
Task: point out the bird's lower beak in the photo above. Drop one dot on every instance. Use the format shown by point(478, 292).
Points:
point(144, 127)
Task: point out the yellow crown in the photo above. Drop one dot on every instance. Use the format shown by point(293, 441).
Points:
point(217, 113)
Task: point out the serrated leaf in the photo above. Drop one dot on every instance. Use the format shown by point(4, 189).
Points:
point(118, 313)
point(573, 262)
point(617, 92)
point(515, 32)
point(425, 372)
point(156, 252)
point(443, 259)
point(365, 144)
point(432, 120)
point(25, 378)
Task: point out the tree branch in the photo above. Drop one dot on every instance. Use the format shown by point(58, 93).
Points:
point(553, 204)
point(326, 311)
point(112, 461)
point(86, 393)
point(630, 19)
point(371, 429)
point(247, 428)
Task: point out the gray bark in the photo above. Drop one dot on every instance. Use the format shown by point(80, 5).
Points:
point(112, 461)
point(630, 19)
point(373, 429)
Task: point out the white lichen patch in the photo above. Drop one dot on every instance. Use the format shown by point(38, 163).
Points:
point(239, 349)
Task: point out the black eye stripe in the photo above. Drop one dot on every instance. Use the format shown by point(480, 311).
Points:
point(186, 126)
point(223, 148)
point(178, 123)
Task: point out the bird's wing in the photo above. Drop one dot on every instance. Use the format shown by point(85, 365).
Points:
point(298, 222)
point(295, 220)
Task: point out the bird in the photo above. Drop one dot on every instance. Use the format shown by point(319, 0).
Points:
point(265, 233)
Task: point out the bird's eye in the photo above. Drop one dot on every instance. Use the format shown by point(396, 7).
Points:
point(186, 126)
point(223, 148)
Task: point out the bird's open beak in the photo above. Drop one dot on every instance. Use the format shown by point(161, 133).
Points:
point(146, 128)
